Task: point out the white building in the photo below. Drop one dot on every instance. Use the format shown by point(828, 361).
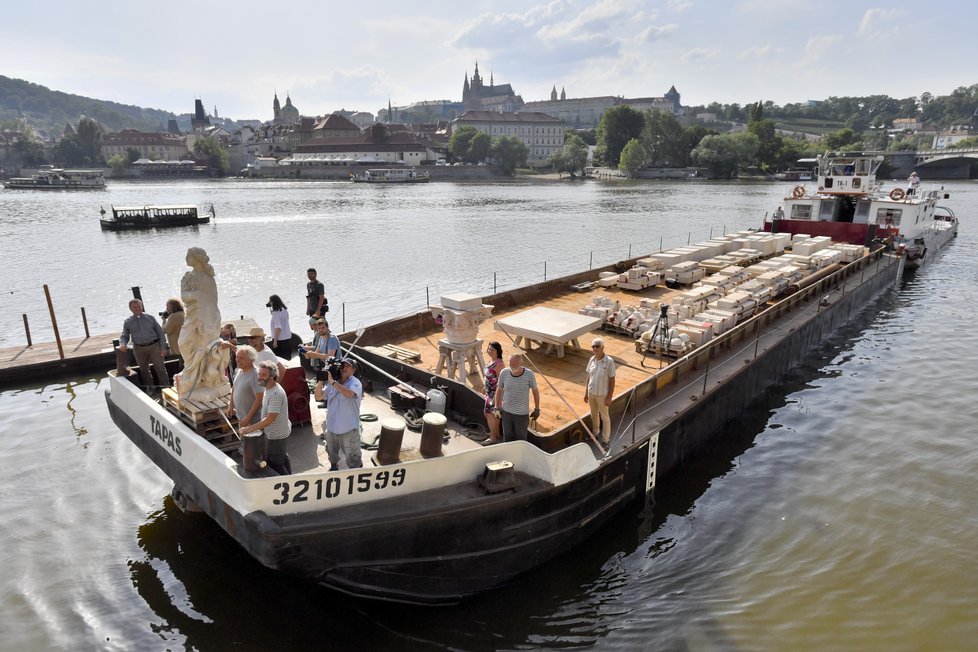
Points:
point(543, 134)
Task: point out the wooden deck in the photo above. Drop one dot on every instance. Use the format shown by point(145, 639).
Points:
point(560, 379)
point(81, 354)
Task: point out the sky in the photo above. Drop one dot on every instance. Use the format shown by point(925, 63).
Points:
point(347, 55)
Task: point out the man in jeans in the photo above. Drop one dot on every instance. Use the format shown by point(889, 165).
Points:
point(343, 417)
point(148, 343)
point(513, 389)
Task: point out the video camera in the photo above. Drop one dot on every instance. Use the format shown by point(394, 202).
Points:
point(334, 366)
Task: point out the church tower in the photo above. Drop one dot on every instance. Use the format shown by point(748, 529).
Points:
point(276, 108)
point(553, 93)
point(563, 93)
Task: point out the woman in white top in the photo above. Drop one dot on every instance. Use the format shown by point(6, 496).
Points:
point(281, 333)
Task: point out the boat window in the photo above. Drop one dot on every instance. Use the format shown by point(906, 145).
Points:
point(801, 212)
point(889, 216)
point(861, 216)
point(826, 211)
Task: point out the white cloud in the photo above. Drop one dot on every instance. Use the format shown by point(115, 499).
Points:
point(679, 5)
point(654, 33)
point(759, 53)
point(819, 46)
point(880, 22)
point(698, 56)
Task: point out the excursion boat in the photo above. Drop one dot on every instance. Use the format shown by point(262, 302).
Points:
point(391, 175)
point(849, 205)
point(51, 178)
point(127, 218)
point(434, 517)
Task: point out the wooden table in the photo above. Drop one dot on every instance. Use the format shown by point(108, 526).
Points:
point(553, 328)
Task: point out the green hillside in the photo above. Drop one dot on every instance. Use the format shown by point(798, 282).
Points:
point(49, 111)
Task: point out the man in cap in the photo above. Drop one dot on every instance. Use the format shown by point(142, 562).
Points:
point(343, 397)
point(148, 342)
point(327, 346)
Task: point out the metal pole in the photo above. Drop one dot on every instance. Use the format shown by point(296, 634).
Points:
point(136, 294)
point(590, 262)
point(544, 270)
point(85, 323)
point(706, 372)
point(629, 249)
point(711, 233)
point(27, 331)
point(689, 237)
point(494, 291)
point(427, 297)
point(344, 316)
point(54, 323)
point(660, 244)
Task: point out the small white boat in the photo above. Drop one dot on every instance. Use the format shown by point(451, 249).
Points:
point(52, 178)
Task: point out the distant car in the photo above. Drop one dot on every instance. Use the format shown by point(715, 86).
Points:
point(441, 161)
point(457, 164)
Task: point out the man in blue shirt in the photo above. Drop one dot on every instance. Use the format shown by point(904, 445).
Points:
point(148, 344)
point(343, 418)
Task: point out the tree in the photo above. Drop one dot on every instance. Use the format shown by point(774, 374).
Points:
point(31, 152)
point(618, 125)
point(839, 139)
point(217, 156)
point(118, 162)
point(458, 144)
point(479, 148)
point(664, 140)
point(573, 157)
point(509, 153)
point(133, 154)
point(724, 155)
point(632, 157)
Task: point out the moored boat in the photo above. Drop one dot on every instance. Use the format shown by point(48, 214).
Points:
point(436, 524)
point(391, 175)
point(848, 205)
point(127, 218)
point(51, 178)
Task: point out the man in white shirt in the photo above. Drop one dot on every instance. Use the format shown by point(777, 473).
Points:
point(600, 389)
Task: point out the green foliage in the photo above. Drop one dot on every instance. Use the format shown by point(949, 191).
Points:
point(589, 136)
point(510, 153)
point(573, 157)
point(118, 162)
point(458, 144)
point(49, 110)
point(479, 148)
point(132, 154)
point(725, 155)
point(618, 125)
point(217, 156)
point(83, 148)
point(841, 139)
point(664, 140)
point(966, 143)
point(632, 157)
point(31, 152)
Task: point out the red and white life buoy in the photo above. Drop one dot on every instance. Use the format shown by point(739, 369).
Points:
point(798, 192)
point(897, 194)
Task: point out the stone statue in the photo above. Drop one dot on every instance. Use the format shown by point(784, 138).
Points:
point(203, 376)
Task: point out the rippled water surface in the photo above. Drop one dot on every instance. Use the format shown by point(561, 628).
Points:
point(838, 513)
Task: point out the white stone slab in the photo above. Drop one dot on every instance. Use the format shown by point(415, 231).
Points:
point(548, 324)
point(461, 301)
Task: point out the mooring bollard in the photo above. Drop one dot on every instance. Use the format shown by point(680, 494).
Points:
point(27, 331)
point(85, 322)
point(54, 323)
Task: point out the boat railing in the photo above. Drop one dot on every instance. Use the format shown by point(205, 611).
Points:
point(692, 370)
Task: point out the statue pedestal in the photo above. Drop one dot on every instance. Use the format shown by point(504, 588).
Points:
point(187, 392)
point(456, 356)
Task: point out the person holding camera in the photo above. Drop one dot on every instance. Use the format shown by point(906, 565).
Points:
point(316, 304)
point(281, 331)
point(274, 418)
point(327, 347)
point(343, 395)
point(513, 388)
point(172, 323)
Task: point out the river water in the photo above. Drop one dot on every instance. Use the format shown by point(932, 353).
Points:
point(838, 513)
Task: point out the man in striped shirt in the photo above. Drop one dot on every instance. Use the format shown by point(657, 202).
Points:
point(513, 400)
point(274, 418)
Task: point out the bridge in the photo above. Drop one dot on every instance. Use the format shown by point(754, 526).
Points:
point(932, 163)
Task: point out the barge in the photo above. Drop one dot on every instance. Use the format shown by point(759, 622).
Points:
point(441, 518)
point(51, 178)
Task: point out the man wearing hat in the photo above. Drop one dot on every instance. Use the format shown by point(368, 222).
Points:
point(256, 338)
point(327, 346)
point(343, 417)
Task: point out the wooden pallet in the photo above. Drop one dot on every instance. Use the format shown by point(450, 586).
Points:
point(393, 351)
point(194, 412)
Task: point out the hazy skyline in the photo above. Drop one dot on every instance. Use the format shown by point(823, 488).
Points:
point(352, 56)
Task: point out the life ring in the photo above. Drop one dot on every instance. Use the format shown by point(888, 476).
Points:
point(897, 194)
point(798, 192)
